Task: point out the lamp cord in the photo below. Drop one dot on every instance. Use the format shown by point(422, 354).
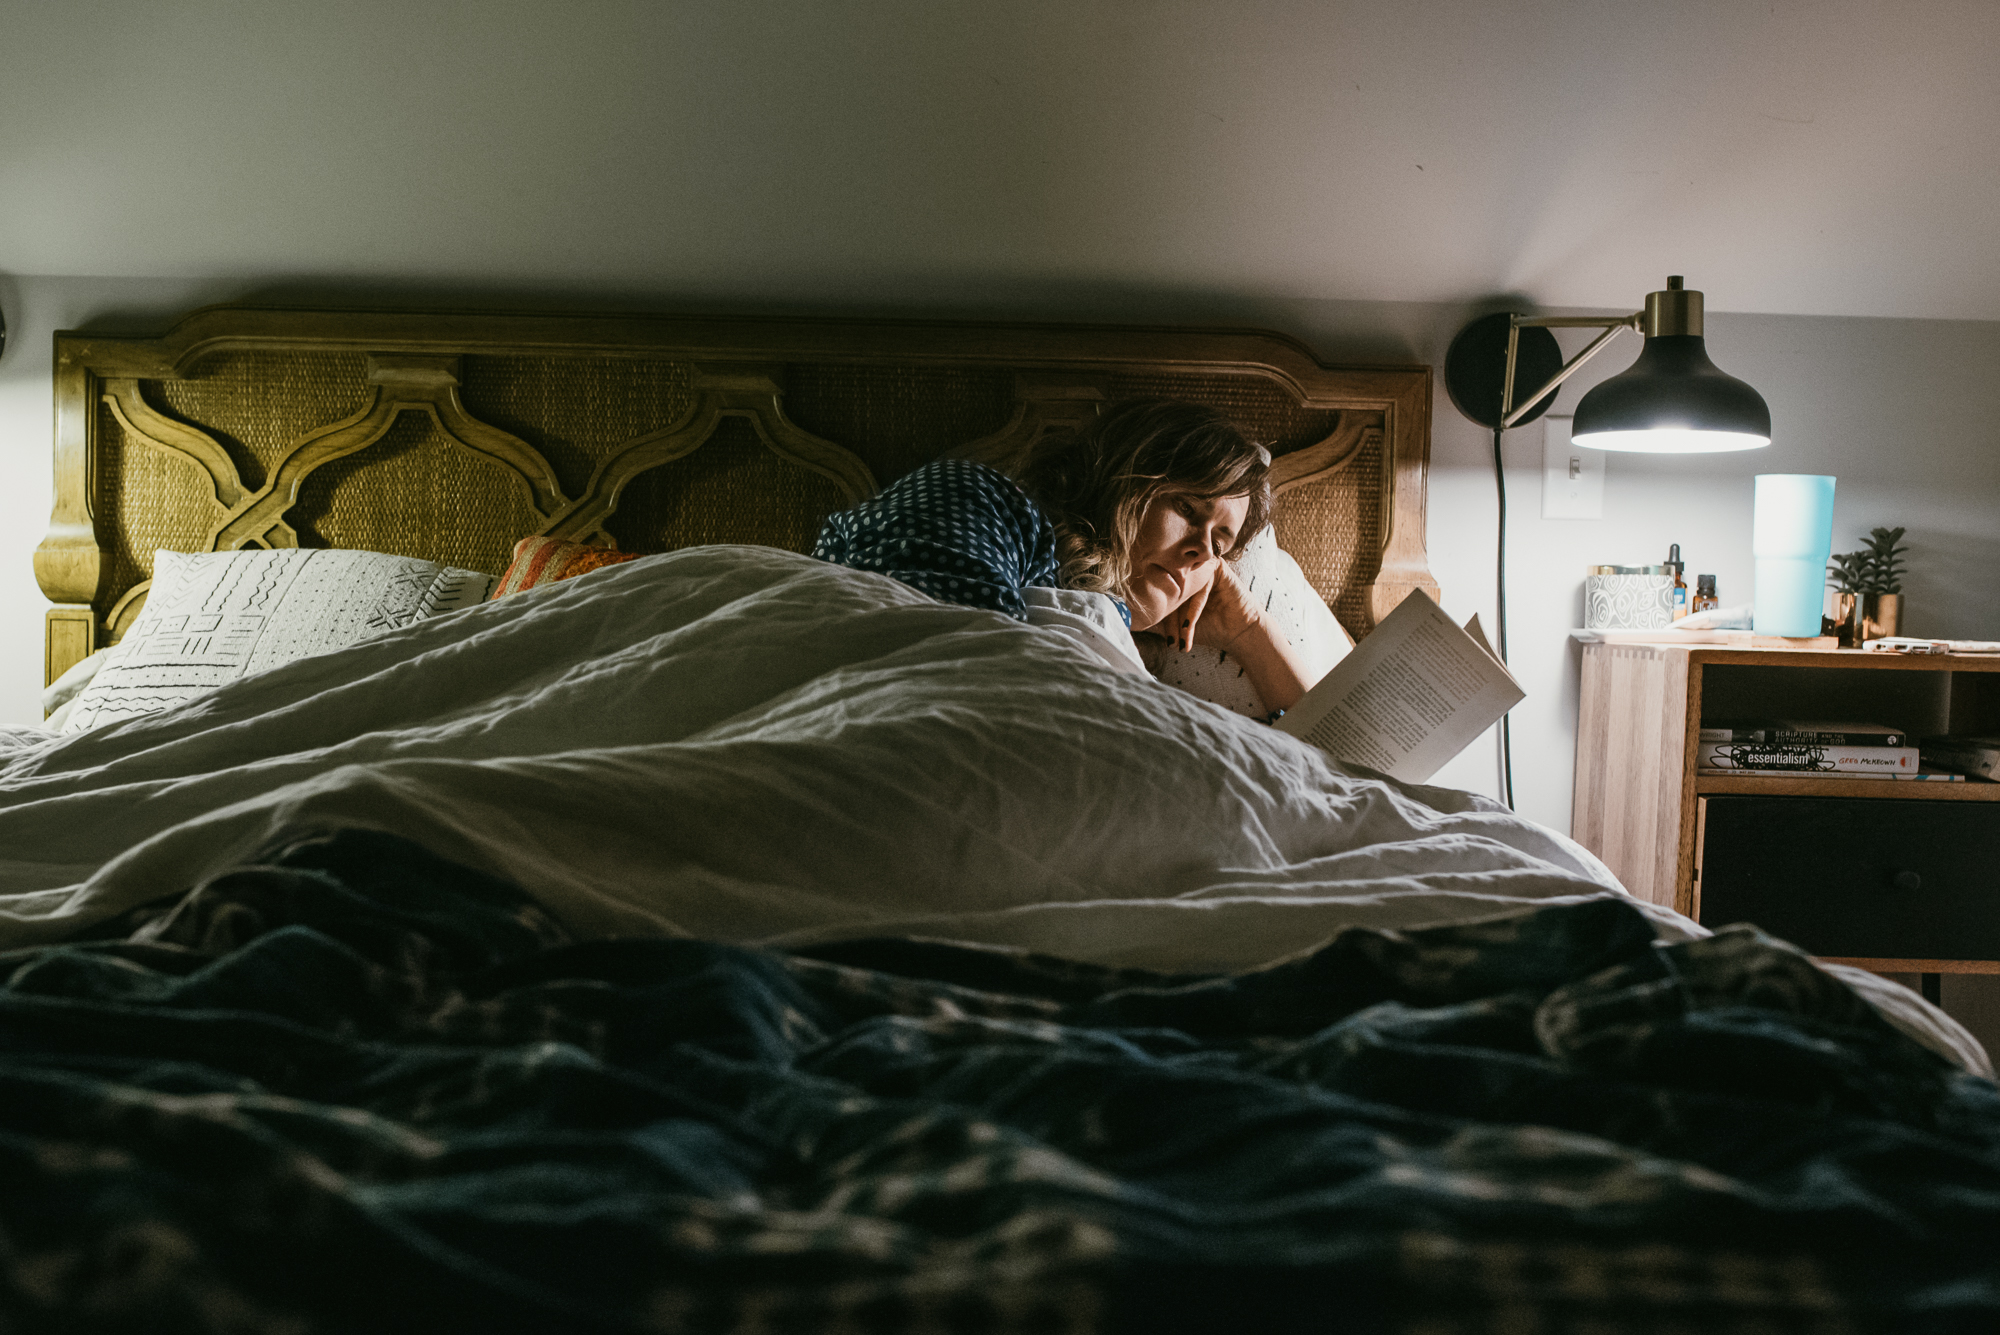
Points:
point(1500, 620)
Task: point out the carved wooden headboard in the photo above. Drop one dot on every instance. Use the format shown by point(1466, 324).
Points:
point(450, 436)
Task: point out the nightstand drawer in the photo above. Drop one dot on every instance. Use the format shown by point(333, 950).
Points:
point(1856, 878)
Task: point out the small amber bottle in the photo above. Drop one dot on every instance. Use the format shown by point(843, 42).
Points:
point(1704, 595)
point(1674, 567)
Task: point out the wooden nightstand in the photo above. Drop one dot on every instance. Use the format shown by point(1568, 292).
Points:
point(1897, 877)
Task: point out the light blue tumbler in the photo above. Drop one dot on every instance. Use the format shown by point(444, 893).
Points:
point(1791, 537)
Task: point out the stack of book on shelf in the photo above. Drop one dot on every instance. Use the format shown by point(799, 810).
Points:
point(1976, 756)
point(1794, 748)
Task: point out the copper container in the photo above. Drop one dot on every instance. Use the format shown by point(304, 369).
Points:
point(1860, 617)
point(1875, 616)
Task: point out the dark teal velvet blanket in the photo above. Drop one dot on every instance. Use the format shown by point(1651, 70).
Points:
point(359, 1089)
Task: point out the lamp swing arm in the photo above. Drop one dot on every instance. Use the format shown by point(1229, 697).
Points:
point(1509, 414)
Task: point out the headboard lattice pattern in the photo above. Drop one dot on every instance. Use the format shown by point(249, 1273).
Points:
point(451, 436)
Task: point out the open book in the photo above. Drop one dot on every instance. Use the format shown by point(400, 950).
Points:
point(1410, 697)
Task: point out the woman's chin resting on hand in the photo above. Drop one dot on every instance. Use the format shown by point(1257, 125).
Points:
point(1188, 598)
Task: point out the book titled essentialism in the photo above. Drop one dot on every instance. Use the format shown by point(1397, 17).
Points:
point(1805, 757)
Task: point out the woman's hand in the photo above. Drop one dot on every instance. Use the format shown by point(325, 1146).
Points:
point(1217, 611)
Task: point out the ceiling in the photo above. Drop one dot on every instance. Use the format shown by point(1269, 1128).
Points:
point(1834, 158)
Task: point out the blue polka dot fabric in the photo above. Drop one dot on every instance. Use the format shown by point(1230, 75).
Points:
point(959, 531)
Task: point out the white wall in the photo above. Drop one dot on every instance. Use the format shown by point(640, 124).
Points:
point(1826, 157)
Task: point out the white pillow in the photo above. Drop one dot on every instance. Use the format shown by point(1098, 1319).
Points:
point(216, 616)
point(1274, 579)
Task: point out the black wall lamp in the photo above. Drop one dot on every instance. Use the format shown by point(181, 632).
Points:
point(1672, 400)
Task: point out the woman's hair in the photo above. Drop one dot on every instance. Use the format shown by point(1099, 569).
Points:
point(1096, 484)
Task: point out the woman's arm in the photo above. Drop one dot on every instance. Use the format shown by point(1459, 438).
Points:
point(1271, 663)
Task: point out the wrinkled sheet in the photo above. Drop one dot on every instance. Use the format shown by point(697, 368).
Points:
point(355, 1088)
point(743, 744)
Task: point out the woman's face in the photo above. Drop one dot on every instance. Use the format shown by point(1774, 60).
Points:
point(1179, 541)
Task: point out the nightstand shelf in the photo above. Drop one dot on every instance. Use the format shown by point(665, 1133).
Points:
point(1754, 785)
point(1898, 876)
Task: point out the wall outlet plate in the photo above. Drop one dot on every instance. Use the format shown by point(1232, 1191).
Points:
point(1572, 476)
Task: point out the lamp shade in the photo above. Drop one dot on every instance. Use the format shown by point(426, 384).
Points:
point(1673, 399)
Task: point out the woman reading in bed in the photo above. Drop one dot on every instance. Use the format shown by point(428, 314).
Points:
point(1149, 504)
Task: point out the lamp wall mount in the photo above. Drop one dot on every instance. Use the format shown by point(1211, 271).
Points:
point(1510, 416)
point(1488, 354)
point(1492, 355)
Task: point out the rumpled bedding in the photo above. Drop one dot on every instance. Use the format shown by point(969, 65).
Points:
point(746, 745)
point(353, 1087)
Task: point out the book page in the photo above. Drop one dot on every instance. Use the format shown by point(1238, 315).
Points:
point(1409, 697)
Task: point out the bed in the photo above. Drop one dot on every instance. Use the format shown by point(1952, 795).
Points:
point(722, 940)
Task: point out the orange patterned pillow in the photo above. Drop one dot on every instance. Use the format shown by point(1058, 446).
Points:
point(546, 560)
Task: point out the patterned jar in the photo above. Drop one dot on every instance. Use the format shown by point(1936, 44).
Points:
point(1628, 598)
